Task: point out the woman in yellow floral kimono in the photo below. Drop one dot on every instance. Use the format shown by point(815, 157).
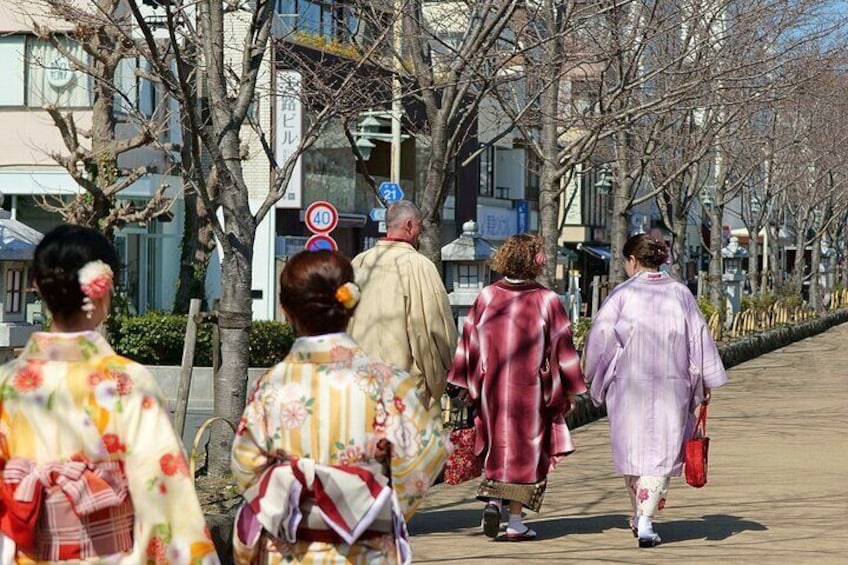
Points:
point(335, 449)
point(92, 470)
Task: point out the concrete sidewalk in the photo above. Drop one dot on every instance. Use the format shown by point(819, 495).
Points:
point(777, 491)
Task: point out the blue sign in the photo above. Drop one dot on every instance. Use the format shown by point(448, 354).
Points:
point(377, 214)
point(391, 192)
point(523, 212)
point(320, 242)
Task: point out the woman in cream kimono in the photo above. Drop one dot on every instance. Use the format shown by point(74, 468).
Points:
point(92, 470)
point(335, 449)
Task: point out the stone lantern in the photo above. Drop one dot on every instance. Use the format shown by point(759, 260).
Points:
point(17, 246)
point(733, 276)
point(467, 269)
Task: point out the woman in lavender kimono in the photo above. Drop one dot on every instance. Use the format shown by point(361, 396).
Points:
point(516, 363)
point(651, 358)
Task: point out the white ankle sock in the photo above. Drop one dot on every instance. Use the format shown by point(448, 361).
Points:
point(515, 523)
point(646, 527)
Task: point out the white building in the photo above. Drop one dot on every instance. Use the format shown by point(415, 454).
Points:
point(33, 74)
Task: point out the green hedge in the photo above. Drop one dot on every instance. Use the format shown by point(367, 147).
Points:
point(157, 338)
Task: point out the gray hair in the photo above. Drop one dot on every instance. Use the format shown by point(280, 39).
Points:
point(398, 212)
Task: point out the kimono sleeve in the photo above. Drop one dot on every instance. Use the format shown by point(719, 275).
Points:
point(704, 359)
point(432, 331)
point(566, 376)
point(417, 441)
point(464, 372)
point(252, 445)
point(169, 520)
point(602, 348)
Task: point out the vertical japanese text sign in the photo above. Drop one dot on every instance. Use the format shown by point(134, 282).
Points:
point(288, 132)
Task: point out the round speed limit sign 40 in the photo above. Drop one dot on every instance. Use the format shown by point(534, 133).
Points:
point(321, 217)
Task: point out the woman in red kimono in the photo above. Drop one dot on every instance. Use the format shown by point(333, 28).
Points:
point(517, 365)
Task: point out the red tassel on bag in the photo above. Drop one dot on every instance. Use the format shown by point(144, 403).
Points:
point(696, 451)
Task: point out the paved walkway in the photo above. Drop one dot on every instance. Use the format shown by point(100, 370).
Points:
point(777, 491)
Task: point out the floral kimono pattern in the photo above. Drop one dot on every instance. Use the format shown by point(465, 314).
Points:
point(74, 412)
point(330, 403)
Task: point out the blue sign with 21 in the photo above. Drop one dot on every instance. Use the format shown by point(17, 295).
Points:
point(391, 192)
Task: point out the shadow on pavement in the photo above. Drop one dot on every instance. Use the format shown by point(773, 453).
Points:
point(553, 528)
point(445, 521)
point(711, 527)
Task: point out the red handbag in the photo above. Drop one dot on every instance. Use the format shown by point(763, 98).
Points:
point(462, 464)
point(697, 450)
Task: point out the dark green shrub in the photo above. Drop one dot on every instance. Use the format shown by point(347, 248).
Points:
point(156, 338)
point(269, 343)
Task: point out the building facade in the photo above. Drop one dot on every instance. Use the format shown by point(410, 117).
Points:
point(34, 73)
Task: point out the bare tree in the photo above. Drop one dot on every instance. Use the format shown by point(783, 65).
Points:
point(99, 155)
point(233, 41)
point(451, 55)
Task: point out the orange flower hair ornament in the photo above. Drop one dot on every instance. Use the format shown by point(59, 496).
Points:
point(348, 295)
point(95, 278)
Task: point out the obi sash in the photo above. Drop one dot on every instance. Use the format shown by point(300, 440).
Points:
point(301, 500)
point(66, 510)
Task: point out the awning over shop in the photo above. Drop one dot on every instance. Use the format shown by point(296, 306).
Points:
point(567, 254)
point(600, 251)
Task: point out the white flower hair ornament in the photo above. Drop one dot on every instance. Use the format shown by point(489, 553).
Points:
point(95, 278)
point(348, 295)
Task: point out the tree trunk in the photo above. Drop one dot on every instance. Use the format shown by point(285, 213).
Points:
point(548, 225)
point(816, 302)
point(196, 248)
point(198, 239)
point(431, 199)
point(753, 260)
point(549, 182)
point(775, 269)
point(234, 319)
point(716, 288)
point(678, 247)
point(797, 280)
point(618, 235)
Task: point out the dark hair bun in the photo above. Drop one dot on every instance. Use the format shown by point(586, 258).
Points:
point(658, 251)
point(58, 258)
point(649, 251)
point(308, 287)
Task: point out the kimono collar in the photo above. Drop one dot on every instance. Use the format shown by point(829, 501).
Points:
point(511, 284)
point(394, 242)
point(651, 276)
point(72, 346)
point(327, 348)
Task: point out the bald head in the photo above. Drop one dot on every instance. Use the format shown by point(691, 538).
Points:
point(403, 221)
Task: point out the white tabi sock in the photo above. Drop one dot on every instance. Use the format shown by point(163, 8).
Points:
point(646, 527)
point(515, 524)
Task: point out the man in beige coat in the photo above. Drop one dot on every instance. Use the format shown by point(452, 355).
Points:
point(404, 316)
